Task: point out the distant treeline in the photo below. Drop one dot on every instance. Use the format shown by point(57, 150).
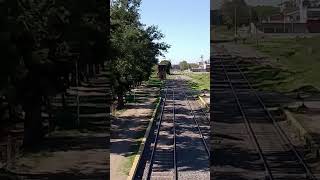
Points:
point(242, 11)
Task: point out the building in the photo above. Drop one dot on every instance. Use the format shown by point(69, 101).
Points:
point(300, 11)
point(295, 16)
point(203, 66)
point(176, 67)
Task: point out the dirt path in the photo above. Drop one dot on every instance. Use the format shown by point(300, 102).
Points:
point(77, 155)
point(127, 128)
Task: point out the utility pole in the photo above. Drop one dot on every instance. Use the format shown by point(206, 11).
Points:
point(284, 22)
point(256, 34)
point(250, 20)
point(283, 14)
point(78, 101)
point(235, 22)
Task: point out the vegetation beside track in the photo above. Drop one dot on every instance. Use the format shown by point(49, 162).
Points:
point(200, 81)
point(134, 148)
point(136, 48)
point(45, 44)
point(294, 61)
point(222, 33)
point(295, 64)
point(155, 82)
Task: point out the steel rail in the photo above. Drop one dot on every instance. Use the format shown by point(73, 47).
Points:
point(278, 128)
point(203, 112)
point(156, 138)
point(198, 127)
point(248, 125)
point(196, 122)
point(174, 140)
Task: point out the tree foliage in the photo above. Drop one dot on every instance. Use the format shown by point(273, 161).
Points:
point(265, 11)
point(238, 10)
point(184, 65)
point(135, 47)
point(43, 39)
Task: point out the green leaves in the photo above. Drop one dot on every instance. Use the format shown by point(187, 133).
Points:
point(238, 9)
point(184, 65)
point(135, 47)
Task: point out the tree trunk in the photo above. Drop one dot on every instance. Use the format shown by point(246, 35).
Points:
point(63, 100)
point(73, 77)
point(87, 70)
point(11, 113)
point(33, 132)
point(97, 68)
point(66, 79)
point(120, 100)
point(91, 73)
point(70, 79)
point(102, 67)
point(51, 120)
point(94, 70)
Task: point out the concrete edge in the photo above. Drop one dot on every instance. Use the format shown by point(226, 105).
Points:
point(137, 158)
point(203, 102)
point(303, 132)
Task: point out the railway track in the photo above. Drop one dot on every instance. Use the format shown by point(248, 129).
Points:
point(200, 118)
point(198, 126)
point(163, 156)
point(170, 150)
point(278, 156)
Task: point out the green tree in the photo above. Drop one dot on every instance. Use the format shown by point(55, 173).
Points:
point(134, 47)
point(184, 65)
point(238, 8)
point(265, 11)
point(44, 39)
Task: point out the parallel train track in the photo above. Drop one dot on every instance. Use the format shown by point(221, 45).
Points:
point(163, 163)
point(277, 153)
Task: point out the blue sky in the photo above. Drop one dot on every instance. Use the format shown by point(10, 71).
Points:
point(185, 24)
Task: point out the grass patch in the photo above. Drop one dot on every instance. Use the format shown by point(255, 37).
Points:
point(296, 62)
point(154, 82)
point(200, 81)
point(130, 158)
point(155, 103)
point(134, 148)
point(222, 33)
